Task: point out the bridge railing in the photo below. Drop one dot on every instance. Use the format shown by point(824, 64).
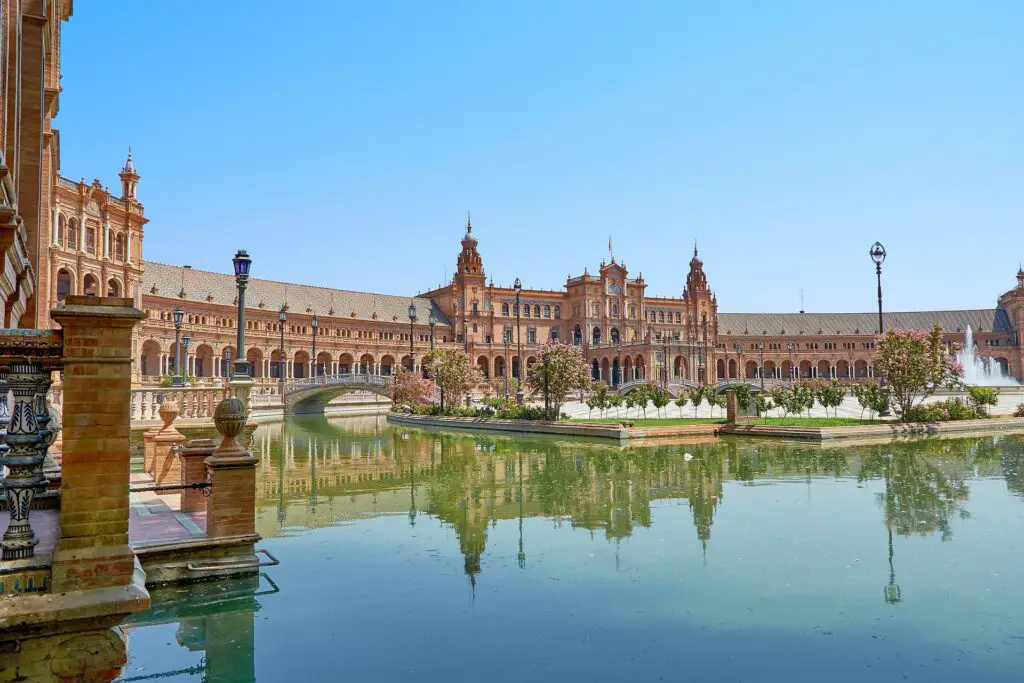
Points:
point(347, 379)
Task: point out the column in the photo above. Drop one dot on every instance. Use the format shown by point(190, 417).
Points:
point(231, 507)
point(93, 549)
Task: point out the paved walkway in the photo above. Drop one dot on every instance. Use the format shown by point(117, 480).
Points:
point(157, 517)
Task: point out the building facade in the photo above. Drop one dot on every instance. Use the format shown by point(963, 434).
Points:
point(623, 333)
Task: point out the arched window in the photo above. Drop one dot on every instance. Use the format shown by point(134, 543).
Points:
point(90, 239)
point(526, 310)
point(504, 309)
point(558, 312)
point(61, 229)
point(536, 310)
point(615, 310)
point(597, 336)
point(615, 335)
point(63, 284)
point(547, 311)
point(73, 233)
point(119, 246)
point(113, 288)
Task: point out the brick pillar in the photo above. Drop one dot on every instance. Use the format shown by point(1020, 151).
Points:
point(231, 509)
point(731, 407)
point(93, 549)
point(193, 469)
point(166, 466)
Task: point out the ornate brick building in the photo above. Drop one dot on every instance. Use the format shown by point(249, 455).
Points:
point(624, 333)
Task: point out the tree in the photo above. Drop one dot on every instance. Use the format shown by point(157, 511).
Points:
point(599, 391)
point(660, 399)
point(860, 391)
point(803, 398)
point(744, 394)
point(696, 396)
point(560, 371)
point(410, 387)
point(593, 402)
point(763, 405)
point(453, 373)
point(613, 400)
point(981, 398)
point(831, 395)
point(681, 402)
point(784, 400)
point(915, 364)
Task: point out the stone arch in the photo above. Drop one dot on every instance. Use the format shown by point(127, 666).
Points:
point(62, 226)
point(597, 336)
point(627, 369)
point(406, 363)
point(824, 368)
point(499, 366)
point(720, 368)
point(515, 367)
point(530, 360)
point(842, 369)
point(300, 365)
point(203, 362)
point(149, 358)
point(641, 368)
point(750, 370)
point(1002, 365)
point(595, 370)
point(90, 285)
point(323, 363)
point(577, 336)
point(119, 246)
point(732, 368)
point(65, 284)
point(805, 369)
point(787, 369)
point(114, 287)
point(366, 363)
point(680, 368)
point(228, 356)
point(860, 368)
point(606, 371)
point(614, 335)
point(346, 363)
point(255, 358)
point(276, 366)
point(484, 366)
point(387, 363)
point(770, 369)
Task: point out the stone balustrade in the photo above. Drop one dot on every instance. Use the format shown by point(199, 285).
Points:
point(193, 402)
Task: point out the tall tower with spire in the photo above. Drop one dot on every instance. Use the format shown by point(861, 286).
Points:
point(468, 285)
point(129, 178)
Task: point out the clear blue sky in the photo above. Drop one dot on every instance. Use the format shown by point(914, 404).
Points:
point(341, 143)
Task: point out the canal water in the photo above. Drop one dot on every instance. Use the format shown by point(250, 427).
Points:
point(440, 556)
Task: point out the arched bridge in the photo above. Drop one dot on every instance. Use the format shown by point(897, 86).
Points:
point(677, 385)
point(311, 394)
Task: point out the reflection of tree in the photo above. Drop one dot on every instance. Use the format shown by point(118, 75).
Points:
point(921, 496)
point(1011, 458)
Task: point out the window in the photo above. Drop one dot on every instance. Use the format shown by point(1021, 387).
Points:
point(558, 312)
point(653, 316)
point(119, 247)
point(476, 310)
point(536, 310)
point(474, 327)
point(90, 240)
point(61, 228)
point(632, 311)
point(596, 308)
point(547, 311)
point(678, 318)
point(526, 310)
point(515, 309)
point(504, 309)
point(554, 334)
point(615, 310)
point(661, 316)
point(531, 335)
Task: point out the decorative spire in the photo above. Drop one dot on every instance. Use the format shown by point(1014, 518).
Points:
point(129, 164)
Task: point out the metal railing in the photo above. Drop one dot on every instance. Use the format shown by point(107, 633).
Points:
point(348, 379)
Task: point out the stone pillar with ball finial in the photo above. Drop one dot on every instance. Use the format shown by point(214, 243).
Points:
point(160, 447)
point(231, 508)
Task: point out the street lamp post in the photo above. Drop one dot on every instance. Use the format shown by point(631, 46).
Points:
point(760, 368)
point(179, 315)
point(227, 362)
point(664, 356)
point(186, 341)
point(241, 263)
point(740, 374)
point(789, 347)
point(878, 256)
point(412, 321)
point(465, 334)
point(505, 371)
point(431, 320)
point(519, 341)
point(281, 318)
point(314, 369)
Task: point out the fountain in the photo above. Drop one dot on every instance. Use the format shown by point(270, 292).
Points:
point(982, 370)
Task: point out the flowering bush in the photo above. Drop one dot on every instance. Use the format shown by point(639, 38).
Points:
point(410, 388)
point(560, 371)
point(914, 364)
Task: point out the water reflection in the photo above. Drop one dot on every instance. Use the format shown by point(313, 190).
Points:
point(317, 473)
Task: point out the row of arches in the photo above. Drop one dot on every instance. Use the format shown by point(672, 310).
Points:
point(205, 361)
point(804, 369)
point(88, 286)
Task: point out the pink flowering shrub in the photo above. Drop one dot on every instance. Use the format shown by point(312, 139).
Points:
point(914, 364)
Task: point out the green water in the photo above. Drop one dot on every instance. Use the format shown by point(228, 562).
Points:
point(430, 556)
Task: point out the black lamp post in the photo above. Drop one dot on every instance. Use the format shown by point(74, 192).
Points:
point(664, 356)
point(227, 362)
point(465, 334)
point(519, 341)
point(186, 341)
point(241, 263)
point(431, 320)
point(760, 360)
point(792, 370)
point(412, 321)
point(179, 315)
point(314, 366)
point(506, 336)
point(738, 348)
point(281, 318)
point(878, 256)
